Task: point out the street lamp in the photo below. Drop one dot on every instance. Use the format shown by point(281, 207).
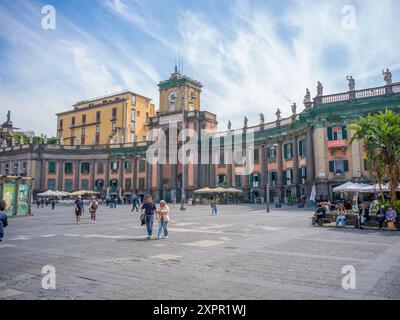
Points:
point(183, 197)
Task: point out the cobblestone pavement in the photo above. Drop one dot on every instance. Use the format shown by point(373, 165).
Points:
point(243, 253)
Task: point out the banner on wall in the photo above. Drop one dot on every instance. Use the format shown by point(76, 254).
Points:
point(9, 196)
point(23, 200)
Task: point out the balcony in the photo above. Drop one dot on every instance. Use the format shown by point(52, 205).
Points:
point(336, 145)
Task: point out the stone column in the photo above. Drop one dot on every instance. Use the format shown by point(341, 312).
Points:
point(77, 173)
point(296, 176)
point(264, 169)
point(149, 174)
point(280, 188)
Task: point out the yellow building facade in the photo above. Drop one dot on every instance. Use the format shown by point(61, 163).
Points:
point(115, 118)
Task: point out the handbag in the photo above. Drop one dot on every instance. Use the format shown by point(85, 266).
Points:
point(142, 218)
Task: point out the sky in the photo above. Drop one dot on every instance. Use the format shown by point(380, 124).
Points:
point(250, 56)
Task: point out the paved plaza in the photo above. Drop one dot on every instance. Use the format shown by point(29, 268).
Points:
point(243, 253)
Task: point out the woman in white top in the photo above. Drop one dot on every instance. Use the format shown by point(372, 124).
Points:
point(163, 218)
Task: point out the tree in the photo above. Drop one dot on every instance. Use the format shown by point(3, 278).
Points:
point(380, 135)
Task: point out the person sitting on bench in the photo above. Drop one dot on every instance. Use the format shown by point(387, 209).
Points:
point(319, 213)
point(341, 219)
point(391, 218)
point(381, 216)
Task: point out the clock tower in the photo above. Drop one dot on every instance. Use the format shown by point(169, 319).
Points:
point(167, 181)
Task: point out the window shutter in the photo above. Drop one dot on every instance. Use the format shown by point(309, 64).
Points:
point(301, 148)
point(346, 165)
point(344, 132)
point(285, 151)
point(268, 152)
point(251, 180)
point(304, 148)
point(331, 166)
point(330, 133)
point(284, 177)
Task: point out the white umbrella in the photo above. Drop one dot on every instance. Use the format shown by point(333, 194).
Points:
point(313, 193)
point(204, 190)
point(233, 190)
point(48, 193)
point(375, 188)
point(346, 187)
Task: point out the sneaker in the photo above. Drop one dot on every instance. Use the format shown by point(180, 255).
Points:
point(166, 237)
point(157, 238)
point(94, 221)
point(148, 237)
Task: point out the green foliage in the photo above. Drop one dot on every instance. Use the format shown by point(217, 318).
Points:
point(380, 134)
point(387, 204)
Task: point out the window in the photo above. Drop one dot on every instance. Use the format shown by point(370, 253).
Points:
point(52, 167)
point(61, 124)
point(273, 177)
point(238, 180)
point(114, 127)
point(72, 137)
point(85, 167)
point(338, 166)
point(68, 185)
point(302, 148)
point(138, 114)
point(271, 153)
point(142, 165)
point(84, 119)
point(222, 179)
point(6, 169)
point(147, 103)
point(287, 177)
point(85, 184)
point(128, 184)
point(83, 136)
point(133, 100)
point(147, 117)
point(97, 136)
point(221, 158)
point(68, 168)
point(99, 184)
point(114, 114)
point(51, 184)
point(255, 179)
point(114, 166)
point(127, 166)
point(73, 122)
point(133, 119)
point(303, 175)
point(165, 183)
point(287, 151)
point(16, 166)
point(337, 133)
point(113, 185)
point(256, 156)
point(100, 167)
point(98, 116)
point(141, 183)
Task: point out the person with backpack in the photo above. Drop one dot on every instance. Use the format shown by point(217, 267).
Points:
point(3, 219)
point(93, 209)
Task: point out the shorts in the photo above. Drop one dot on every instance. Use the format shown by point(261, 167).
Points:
point(78, 213)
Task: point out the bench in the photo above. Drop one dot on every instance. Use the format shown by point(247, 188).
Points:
point(351, 219)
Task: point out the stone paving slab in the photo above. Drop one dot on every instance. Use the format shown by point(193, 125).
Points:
point(243, 253)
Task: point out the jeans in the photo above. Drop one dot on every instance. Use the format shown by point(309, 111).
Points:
point(162, 225)
point(149, 224)
point(214, 210)
point(135, 207)
point(93, 216)
point(340, 218)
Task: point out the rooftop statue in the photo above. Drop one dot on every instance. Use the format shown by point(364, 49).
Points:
point(352, 83)
point(387, 76)
point(320, 89)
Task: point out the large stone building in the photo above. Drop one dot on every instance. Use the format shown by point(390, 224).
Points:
point(115, 118)
point(309, 148)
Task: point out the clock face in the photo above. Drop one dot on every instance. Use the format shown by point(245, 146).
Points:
point(172, 97)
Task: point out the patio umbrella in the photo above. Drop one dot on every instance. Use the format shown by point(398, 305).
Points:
point(204, 190)
point(233, 190)
point(77, 193)
point(218, 190)
point(48, 193)
point(346, 187)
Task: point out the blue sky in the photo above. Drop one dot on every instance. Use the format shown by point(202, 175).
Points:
point(251, 56)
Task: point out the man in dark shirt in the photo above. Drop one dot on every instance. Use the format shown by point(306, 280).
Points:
point(149, 208)
point(3, 219)
point(78, 209)
point(319, 213)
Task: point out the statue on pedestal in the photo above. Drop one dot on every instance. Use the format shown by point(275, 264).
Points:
point(387, 77)
point(352, 83)
point(307, 97)
point(245, 122)
point(278, 114)
point(294, 108)
point(229, 125)
point(262, 120)
point(320, 89)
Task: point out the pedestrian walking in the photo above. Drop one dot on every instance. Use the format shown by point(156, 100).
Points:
point(3, 219)
point(78, 209)
point(53, 203)
point(174, 201)
point(163, 219)
point(148, 209)
point(214, 206)
point(42, 203)
point(93, 209)
point(135, 203)
point(38, 202)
